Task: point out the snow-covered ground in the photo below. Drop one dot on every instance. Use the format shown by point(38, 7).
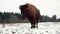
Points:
point(24, 28)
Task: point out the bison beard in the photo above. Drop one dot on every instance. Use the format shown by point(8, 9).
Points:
point(31, 13)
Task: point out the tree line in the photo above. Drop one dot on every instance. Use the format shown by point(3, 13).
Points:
point(8, 17)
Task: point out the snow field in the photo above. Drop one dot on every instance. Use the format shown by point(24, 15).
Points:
point(24, 28)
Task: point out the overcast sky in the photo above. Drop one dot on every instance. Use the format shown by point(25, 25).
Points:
point(46, 7)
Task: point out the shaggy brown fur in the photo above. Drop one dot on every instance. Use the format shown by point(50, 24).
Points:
point(31, 13)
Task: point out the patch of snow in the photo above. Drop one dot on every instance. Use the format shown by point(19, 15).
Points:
point(24, 28)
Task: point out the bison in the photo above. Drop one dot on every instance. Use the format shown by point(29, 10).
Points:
point(30, 12)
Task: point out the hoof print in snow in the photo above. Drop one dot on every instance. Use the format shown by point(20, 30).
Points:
point(13, 32)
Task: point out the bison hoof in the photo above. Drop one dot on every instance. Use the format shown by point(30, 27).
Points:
point(33, 27)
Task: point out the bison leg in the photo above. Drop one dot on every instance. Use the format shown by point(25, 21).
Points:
point(36, 25)
point(32, 20)
point(32, 25)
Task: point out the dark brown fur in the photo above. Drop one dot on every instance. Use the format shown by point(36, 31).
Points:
point(31, 13)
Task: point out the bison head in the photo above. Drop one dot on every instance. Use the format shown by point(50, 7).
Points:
point(24, 10)
point(23, 7)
